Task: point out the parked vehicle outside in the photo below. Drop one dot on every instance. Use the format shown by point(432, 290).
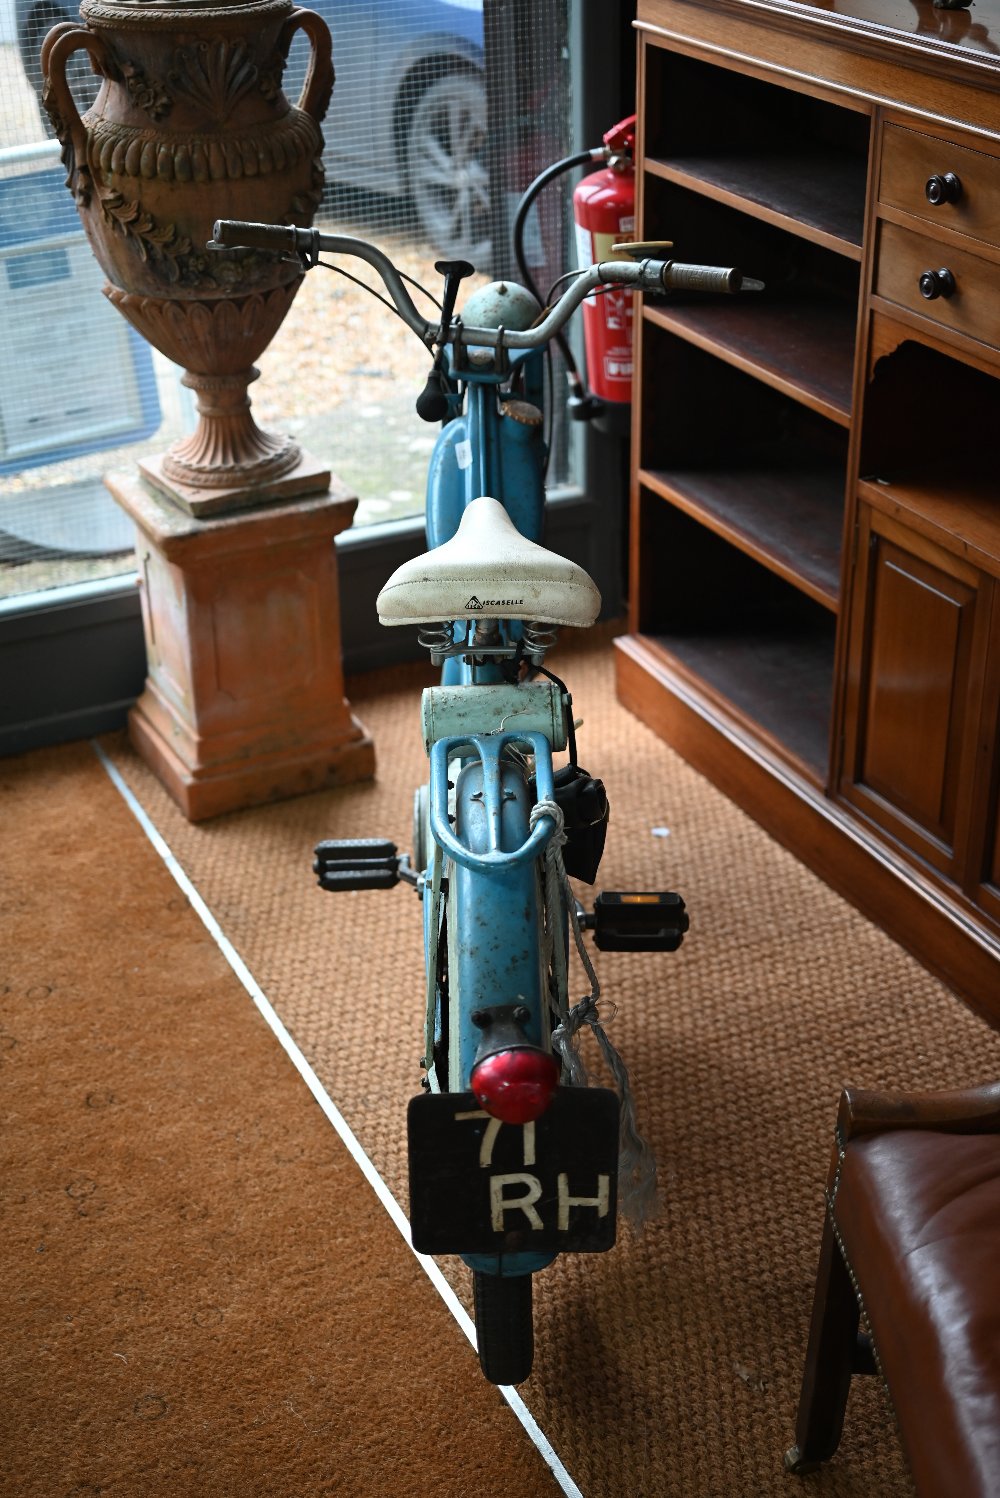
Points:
point(408, 114)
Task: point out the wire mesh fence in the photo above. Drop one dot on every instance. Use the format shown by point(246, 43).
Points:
point(442, 113)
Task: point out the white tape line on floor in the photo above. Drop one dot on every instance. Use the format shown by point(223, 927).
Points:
point(331, 1111)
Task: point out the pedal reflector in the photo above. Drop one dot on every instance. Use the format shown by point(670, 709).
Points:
point(639, 921)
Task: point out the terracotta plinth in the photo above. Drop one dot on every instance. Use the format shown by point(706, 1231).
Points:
point(244, 702)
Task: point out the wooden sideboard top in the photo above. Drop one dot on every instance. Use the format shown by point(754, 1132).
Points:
point(972, 33)
point(943, 63)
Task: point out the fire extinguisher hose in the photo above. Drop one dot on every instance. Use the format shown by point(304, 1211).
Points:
point(579, 158)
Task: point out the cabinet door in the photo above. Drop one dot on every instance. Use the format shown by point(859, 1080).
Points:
point(986, 817)
point(914, 686)
point(988, 893)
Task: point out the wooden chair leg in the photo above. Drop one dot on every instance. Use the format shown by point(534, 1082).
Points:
point(830, 1360)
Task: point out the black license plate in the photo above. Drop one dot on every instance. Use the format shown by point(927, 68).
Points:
point(479, 1186)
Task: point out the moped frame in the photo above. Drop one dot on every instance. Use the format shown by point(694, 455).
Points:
point(483, 847)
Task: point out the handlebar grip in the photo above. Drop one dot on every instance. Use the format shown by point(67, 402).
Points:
point(240, 235)
point(676, 276)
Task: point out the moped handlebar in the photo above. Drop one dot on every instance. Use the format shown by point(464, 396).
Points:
point(640, 275)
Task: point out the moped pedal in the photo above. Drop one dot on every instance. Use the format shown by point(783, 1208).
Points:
point(356, 863)
point(638, 921)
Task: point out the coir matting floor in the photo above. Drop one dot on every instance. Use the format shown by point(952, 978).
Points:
point(204, 1293)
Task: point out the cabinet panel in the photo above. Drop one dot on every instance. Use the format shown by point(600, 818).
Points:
point(993, 875)
point(990, 893)
point(986, 884)
point(920, 635)
point(914, 671)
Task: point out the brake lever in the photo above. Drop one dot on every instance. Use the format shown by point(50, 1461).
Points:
point(308, 256)
point(432, 402)
point(454, 272)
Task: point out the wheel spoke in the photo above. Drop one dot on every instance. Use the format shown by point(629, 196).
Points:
point(435, 165)
point(456, 130)
point(479, 186)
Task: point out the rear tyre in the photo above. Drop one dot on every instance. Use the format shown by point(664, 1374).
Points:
point(503, 1326)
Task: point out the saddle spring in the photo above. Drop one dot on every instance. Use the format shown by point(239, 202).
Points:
point(538, 638)
point(437, 638)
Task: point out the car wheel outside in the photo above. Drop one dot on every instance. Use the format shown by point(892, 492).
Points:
point(446, 171)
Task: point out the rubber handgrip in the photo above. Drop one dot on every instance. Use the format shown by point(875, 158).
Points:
point(679, 277)
point(234, 232)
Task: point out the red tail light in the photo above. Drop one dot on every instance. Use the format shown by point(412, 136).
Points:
point(515, 1086)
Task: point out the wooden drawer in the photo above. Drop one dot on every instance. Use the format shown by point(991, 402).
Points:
point(911, 160)
point(974, 306)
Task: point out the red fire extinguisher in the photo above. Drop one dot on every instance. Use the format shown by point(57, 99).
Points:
point(604, 211)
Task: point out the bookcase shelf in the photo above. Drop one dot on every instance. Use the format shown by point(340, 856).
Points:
point(814, 614)
point(783, 508)
point(799, 344)
point(816, 194)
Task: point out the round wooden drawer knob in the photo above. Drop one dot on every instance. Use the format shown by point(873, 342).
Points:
point(943, 187)
point(935, 283)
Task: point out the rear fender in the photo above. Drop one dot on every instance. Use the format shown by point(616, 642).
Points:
point(494, 894)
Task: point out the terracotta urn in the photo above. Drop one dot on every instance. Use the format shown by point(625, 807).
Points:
point(191, 125)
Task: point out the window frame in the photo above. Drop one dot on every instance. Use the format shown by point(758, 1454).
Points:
point(72, 660)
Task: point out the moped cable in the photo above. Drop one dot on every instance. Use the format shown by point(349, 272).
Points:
point(386, 301)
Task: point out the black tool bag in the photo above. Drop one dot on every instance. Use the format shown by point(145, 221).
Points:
point(584, 804)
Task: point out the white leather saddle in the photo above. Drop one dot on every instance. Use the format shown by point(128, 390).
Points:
point(488, 569)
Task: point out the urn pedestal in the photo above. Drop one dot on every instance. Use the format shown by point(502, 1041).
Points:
point(244, 701)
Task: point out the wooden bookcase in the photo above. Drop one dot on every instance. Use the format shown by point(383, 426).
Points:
point(815, 530)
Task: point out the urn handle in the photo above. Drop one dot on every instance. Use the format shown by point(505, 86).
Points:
point(318, 86)
point(59, 45)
